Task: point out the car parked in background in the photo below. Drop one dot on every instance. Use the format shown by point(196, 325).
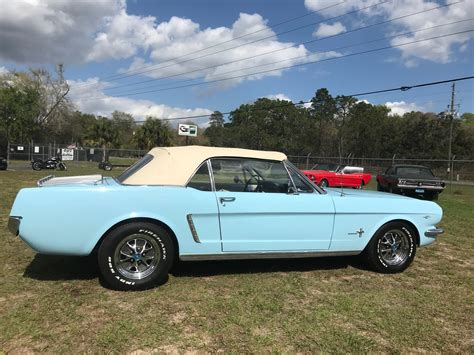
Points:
point(204, 203)
point(3, 163)
point(411, 180)
point(333, 175)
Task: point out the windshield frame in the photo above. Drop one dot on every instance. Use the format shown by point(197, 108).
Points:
point(134, 168)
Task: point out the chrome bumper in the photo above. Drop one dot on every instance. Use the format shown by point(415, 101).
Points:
point(433, 233)
point(14, 225)
point(425, 187)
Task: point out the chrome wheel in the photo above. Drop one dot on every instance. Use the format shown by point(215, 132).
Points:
point(324, 183)
point(394, 247)
point(137, 256)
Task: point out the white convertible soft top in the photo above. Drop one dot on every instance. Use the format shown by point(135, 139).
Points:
point(175, 165)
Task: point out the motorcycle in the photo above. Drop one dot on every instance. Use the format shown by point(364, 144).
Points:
point(51, 163)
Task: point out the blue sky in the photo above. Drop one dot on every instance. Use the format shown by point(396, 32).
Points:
point(99, 39)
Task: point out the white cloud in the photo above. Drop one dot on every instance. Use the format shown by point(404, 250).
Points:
point(281, 97)
point(441, 50)
point(402, 107)
point(99, 103)
point(325, 30)
point(51, 31)
point(175, 39)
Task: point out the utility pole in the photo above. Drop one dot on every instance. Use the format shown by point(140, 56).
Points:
point(451, 117)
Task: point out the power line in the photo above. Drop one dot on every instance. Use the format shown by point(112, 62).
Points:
point(367, 93)
point(236, 38)
point(288, 67)
point(288, 59)
point(157, 66)
point(293, 46)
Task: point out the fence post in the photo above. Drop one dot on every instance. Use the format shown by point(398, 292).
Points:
point(307, 160)
point(452, 172)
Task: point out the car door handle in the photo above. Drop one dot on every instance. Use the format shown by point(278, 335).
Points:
point(227, 199)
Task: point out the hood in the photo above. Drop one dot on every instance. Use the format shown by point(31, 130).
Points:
point(363, 201)
point(364, 193)
point(51, 180)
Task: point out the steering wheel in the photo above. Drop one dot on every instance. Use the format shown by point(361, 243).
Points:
point(253, 176)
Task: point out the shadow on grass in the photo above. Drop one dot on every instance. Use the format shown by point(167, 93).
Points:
point(226, 267)
point(54, 268)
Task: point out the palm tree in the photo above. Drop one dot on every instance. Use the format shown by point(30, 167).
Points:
point(103, 134)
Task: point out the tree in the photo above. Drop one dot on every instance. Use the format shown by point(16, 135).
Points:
point(36, 101)
point(125, 126)
point(153, 133)
point(215, 131)
point(343, 104)
point(323, 110)
point(103, 134)
point(18, 110)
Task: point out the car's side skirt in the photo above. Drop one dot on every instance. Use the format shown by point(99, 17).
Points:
point(265, 255)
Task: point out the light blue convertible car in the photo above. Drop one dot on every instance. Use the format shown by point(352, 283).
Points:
point(203, 203)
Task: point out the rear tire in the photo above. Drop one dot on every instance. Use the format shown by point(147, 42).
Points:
point(379, 187)
point(136, 256)
point(392, 248)
point(36, 166)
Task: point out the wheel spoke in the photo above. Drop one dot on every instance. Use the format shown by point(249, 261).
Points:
point(394, 246)
point(137, 256)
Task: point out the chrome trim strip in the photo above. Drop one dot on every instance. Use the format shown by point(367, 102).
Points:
point(291, 179)
point(413, 187)
point(14, 225)
point(433, 233)
point(41, 181)
point(298, 172)
point(266, 255)
point(211, 175)
point(189, 217)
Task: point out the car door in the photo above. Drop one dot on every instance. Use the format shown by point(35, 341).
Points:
point(261, 209)
point(384, 178)
point(202, 215)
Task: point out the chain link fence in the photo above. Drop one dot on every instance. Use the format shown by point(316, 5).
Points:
point(459, 170)
point(21, 155)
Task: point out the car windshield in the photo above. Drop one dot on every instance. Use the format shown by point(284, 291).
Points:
point(414, 171)
point(325, 167)
point(134, 168)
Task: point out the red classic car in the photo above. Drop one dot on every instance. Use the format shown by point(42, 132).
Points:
point(335, 175)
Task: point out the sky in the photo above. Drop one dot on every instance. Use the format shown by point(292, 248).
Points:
point(174, 58)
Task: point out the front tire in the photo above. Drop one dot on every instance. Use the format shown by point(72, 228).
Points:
point(392, 249)
point(324, 183)
point(136, 256)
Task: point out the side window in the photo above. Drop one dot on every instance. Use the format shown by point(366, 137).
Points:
point(301, 184)
point(249, 175)
point(389, 171)
point(201, 180)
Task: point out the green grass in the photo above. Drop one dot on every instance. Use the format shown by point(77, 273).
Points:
point(56, 304)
